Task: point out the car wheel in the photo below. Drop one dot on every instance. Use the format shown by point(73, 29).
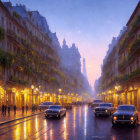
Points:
point(113, 124)
point(135, 123)
point(59, 117)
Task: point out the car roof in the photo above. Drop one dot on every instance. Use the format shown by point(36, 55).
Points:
point(105, 103)
point(46, 102)
point(55, 105)
point(127, 105)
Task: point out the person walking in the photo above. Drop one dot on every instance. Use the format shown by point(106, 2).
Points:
point(3, 109)
point(15, 108)
point(9, 110)
point(32, 108)
point(26, 108)
point(23, 109)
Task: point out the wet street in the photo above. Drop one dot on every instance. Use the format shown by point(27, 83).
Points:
point(78, 124)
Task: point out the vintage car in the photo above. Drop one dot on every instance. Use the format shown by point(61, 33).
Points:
point(67, 105)
point(96, 103)
point(104, 109)
point(45, 105)
point(125, 114)
point(55, 111)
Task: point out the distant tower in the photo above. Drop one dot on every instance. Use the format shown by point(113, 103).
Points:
point(84, 68)
point(64, 42)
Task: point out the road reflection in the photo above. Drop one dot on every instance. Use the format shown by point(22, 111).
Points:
point(45, 127)
point(79, 123)
point(25, 129)
point(85, 120)
point(74, 119)
point(51, 134)
point(36, 126)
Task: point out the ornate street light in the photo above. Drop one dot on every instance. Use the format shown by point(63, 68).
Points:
point(36, 89)
point(60, 92)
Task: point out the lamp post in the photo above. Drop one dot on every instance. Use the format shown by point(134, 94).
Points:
point(32, 87)
point(60, 92)
point(37, 94)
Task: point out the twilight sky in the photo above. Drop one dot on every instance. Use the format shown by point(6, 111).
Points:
point(90, 24)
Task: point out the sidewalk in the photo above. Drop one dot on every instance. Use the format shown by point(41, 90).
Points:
point(19, 115)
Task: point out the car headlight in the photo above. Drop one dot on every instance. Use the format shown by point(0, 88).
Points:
point(114, 118)
point(106, 110)
point(132, 118)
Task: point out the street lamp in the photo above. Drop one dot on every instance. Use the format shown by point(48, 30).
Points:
point(59, 90)
point(60, 93)
point(32, 87)
point(37, 89)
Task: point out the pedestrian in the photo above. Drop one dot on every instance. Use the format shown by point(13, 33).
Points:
point(3, 109)
point(36, 107)
point(15, 108)
point(9, 110)
point(26, 108)
point(22, 109)
point(32, 108)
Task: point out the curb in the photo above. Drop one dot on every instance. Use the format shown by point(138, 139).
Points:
point(5, 122)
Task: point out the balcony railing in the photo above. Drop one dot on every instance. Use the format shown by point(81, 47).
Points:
point(135, 25)
point(127, 77)
point(133, 48)
point(18, 81)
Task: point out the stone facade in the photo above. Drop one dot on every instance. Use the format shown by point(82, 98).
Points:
point(30, 55)
point(120, 79)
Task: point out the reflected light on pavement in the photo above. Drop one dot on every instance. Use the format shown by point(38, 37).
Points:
point(113, 138)
point(45, 127)
point(25, 134)
point(85, 120)
point(74, 118)
point(17, 133)
point(36, 126)
point(51, 134)
point(65, 129)
point(80, 116)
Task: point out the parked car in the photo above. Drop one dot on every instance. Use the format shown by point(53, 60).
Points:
point(105, 109)
point(96, 103)
point(55, 111)
point(89, 104)
point(45, 105)
point(67, 105)
point(125, 114)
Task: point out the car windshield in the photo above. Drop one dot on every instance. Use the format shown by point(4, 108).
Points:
point(127, 108)
point(47, 103)
point(55, 107)
point(97, 101)
point(108, 105)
